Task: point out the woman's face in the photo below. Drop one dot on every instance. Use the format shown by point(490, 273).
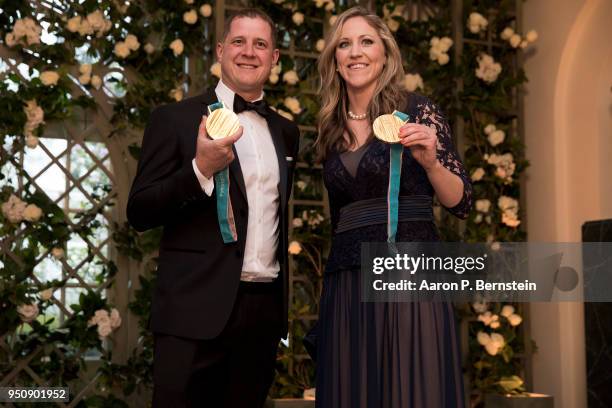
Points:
point(360, 54)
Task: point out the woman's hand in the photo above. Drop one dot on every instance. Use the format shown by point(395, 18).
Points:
point(422, 141)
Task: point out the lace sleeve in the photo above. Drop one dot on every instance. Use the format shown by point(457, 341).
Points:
point(430, 115)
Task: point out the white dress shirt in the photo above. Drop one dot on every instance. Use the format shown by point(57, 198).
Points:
point(259, 165)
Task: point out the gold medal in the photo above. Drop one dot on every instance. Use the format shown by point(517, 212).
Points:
point(221, 123)
point(387, 127)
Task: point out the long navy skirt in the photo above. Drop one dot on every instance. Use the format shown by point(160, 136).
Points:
point(385, 355)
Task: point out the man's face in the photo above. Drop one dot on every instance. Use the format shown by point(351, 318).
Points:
point(247, 55)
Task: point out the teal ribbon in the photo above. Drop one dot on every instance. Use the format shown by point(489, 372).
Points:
point(225, 213)
point(395, 173)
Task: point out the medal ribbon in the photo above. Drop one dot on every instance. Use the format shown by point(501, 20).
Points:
point(225, 213)
point(395, 173)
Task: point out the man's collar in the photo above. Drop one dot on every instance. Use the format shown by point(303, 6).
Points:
point(226, 95)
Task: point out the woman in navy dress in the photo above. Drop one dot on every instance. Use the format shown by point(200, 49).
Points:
point(381, 355)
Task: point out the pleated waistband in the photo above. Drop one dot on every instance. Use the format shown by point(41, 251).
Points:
point(375, 211)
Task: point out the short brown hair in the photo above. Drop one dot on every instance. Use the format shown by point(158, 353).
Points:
point(250, 13)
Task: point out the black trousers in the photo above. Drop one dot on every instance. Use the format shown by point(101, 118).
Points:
point(233, 370)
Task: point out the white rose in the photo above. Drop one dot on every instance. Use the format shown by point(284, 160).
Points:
point(301, 184)
point(121, 49)
point(483, 205)
point(20, 29)
point(295, 248)
point(57, 253)
point(189, 1)
point(149, 48)
point(28, 312)
point(84, 79)
point(507, 33)
point(291, 77)
point(32, 141)
point(34, 113)
point(32, 213)
point(478, 174)
point(115, 318)
point(523, 44)
point(515, 319)
point(494, 325)
point(487, 318)
point(285, 114)
point(96, 20)
point(100, 317)
point(476, 22)
point(73, 24)
point(85, 28)
point(531, 36)
point(515, 40)
point(215, 69)
point(273, 78)
point(298, 18)
point(297, 223)
point(276, 69)
point(488, 70)
point(507, 310)
point(206, 10)
point(490, 128)
point(412, 82)
point(104, 329)
point(30, 29)
point(13, 209)
point(443, 59)
point(85, 69)
point(96, 82)
point(46, 294)
point(320, 46)
point(132, 42)
point(9, 40)
point(332, 19)
point(510, 220)
point(49, 78)
point(496, 344)
point(176, 94)
point(496, 137)
point(293, 104)
point(177, 47)
point(507, 203)
point(190, 17)
point(445, 43)
point(478, 219)
point(483, 338)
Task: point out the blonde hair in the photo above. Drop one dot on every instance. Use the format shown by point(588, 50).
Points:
point(389, 93)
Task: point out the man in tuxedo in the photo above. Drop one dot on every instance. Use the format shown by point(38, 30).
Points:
point(219, 309)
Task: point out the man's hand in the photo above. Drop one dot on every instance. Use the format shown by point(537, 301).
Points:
point(214, 155)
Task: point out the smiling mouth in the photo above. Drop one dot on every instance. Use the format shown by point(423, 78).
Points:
point(359, 65)
point(247, 66)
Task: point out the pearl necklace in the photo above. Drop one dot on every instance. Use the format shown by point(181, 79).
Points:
point(357, 117)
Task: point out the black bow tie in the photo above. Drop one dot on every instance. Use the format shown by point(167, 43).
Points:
point(240, 105)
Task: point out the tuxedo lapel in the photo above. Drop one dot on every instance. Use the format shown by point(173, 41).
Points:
point(279, 145)
point(209, 98)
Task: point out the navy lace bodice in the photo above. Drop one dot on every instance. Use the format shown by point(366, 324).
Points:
point(371, 181)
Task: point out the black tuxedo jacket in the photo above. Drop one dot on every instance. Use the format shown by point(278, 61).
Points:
point(198, 275)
